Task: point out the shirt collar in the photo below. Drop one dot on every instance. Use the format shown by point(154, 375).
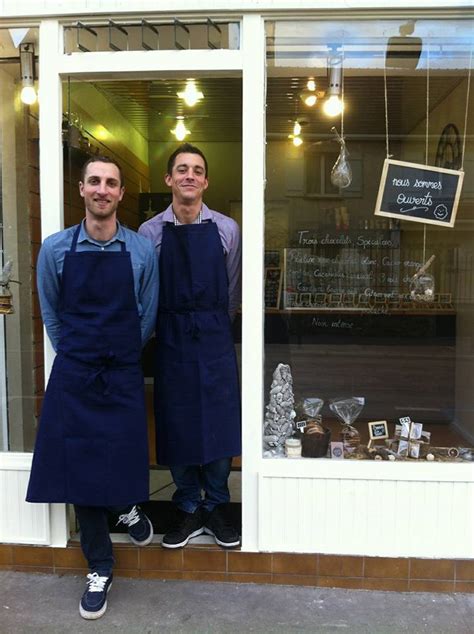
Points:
point(168, 215)
point(85, 237)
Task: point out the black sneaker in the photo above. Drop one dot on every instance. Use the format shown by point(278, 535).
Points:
point(140, 528)
point(94, 600)
point(219, 526)
point(189, 525)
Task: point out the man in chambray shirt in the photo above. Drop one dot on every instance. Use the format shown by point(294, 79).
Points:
point(98, 291)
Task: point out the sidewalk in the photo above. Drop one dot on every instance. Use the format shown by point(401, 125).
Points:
point(48, 604)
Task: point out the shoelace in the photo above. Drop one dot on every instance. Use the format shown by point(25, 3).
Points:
point(96, 583)
point(129, 519)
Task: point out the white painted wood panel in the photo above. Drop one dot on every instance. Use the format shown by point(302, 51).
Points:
point(20, 522)
point(404, 513)
point(31, 8)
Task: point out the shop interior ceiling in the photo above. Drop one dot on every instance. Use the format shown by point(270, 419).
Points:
point(151, 106)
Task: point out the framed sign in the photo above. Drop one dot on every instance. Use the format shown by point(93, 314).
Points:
point(378, 430)
point(420, 193)
point(272, 287)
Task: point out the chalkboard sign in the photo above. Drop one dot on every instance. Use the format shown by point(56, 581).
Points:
point(272, 287)
point(420, 193)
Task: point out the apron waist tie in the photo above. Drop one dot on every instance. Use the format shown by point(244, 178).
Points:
point(101, 372)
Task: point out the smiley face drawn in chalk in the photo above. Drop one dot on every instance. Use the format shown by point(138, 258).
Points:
point(440, 212)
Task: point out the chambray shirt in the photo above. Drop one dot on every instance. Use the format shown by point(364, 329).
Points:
point(144, 266)
point(229, 233)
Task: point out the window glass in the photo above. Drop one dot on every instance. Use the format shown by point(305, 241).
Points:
point(342, 306)
point(21, 332)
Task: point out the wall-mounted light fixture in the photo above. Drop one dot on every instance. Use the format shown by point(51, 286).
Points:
point(27, 70)
point(333, 105)
point(191, 95)
point(180, 131)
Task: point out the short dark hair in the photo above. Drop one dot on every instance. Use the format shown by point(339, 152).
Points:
point(101, 159)
point(185, 148)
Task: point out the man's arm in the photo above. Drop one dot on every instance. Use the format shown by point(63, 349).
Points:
point(149, 290)
point(48, 290)
point(234, 263)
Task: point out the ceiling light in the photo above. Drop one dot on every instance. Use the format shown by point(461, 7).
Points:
point(180, 130)
point(333, 106)
point(191, 95)
point(296, 128)
point(297, 140)
point(311, 84)
point(308, 98)
point(27, 71)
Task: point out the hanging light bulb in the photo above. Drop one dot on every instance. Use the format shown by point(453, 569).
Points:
point(308, 98)
point(311, 84)
point(296, 140)
point(191, 95)
point(333, 106)
point(180, 130)
point(296, 128)
point(27, 70)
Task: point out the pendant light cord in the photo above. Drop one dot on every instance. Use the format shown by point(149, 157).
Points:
point(466, 111)
point(387, 151)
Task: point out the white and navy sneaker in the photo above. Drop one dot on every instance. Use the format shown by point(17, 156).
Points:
point(94, 600)
point(140, 528)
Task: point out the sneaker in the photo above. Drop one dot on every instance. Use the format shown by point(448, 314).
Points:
point(140, 528)
point(221, 529)
point(94, 600)
point(189, 525)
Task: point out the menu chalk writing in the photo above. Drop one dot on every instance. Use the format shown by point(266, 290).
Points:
point(272, 287)
point(420, 193)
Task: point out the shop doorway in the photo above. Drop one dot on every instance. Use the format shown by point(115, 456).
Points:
point(138, 123)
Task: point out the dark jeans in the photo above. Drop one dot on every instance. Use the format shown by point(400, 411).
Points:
point(95, 537)
point(190, 480)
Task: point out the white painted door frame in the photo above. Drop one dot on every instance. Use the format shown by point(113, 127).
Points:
point(248, 62)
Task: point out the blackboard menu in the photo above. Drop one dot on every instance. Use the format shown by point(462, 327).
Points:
point(420, 193)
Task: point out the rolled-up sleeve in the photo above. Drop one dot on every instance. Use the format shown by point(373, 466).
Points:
point(48, 291)
point(234, 265)
point(149, 292)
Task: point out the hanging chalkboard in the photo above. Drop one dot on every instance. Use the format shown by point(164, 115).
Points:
point(421, 193)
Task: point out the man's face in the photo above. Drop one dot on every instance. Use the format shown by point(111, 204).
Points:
point(101, 189)
point(188, 179)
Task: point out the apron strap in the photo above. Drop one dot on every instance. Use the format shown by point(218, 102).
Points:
point(75, 238)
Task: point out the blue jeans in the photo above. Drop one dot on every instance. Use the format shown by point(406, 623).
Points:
point(95, 537)
point(190, 480)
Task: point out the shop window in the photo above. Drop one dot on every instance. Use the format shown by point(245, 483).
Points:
point(365, 333)
point(21, 331)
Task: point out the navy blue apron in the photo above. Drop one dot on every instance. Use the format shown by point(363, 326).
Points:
point(197, 396)
point(92, 447)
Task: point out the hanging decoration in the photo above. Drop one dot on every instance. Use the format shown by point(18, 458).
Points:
point(6, 299)
point(416, 192)
point(341, 173)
